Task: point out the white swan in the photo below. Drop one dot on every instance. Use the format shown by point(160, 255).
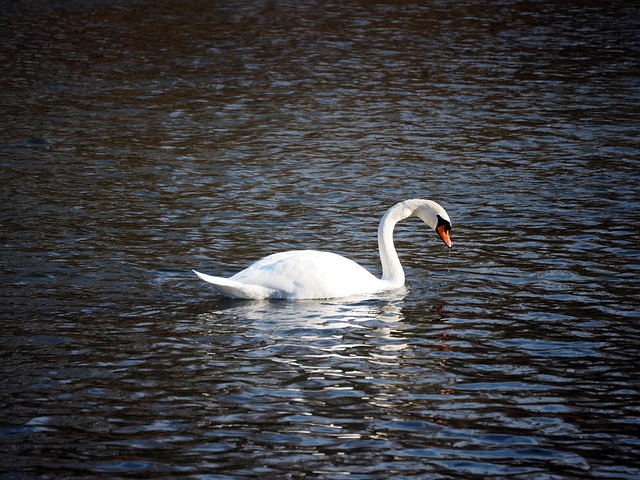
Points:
point(307, 274)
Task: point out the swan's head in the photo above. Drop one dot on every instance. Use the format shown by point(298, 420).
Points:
point(437, 218)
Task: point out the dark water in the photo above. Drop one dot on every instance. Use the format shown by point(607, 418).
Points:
point(141, 140)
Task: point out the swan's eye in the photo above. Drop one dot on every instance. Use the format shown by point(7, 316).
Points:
point(443, 223)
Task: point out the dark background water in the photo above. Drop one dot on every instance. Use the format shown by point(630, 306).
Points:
point(143, 139)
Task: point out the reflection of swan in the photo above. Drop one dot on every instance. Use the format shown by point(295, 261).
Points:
point(330, 344)
point(377, 312)
point(301, 274)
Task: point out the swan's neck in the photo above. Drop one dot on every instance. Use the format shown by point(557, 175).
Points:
point(392, 271)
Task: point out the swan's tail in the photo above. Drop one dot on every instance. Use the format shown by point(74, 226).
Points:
point(232, 289)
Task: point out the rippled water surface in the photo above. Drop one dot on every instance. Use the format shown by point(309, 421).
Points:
point(143, 139)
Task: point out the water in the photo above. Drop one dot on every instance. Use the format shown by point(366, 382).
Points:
point(141, 140)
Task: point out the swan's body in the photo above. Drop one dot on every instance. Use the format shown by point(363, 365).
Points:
point(306, 274)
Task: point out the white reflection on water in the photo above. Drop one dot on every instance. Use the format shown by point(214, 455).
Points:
point(321, 325)
point(329, 344)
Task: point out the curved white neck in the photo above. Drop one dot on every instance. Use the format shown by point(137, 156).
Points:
point(426, 210)
point(392, 271)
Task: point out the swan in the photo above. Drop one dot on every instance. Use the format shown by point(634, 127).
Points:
point(311, 274)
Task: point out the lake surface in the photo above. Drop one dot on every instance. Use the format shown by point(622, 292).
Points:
point(143, 139)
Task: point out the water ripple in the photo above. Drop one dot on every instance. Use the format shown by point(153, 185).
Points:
point(146, 140)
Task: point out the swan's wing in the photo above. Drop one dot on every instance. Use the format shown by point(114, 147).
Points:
point(309, 274)
point(233, 289)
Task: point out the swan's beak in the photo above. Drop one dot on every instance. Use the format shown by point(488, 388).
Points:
point(443, 231)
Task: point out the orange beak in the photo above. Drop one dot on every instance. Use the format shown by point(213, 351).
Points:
point(444, 235)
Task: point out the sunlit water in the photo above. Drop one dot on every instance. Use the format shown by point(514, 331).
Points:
point(141, 140)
